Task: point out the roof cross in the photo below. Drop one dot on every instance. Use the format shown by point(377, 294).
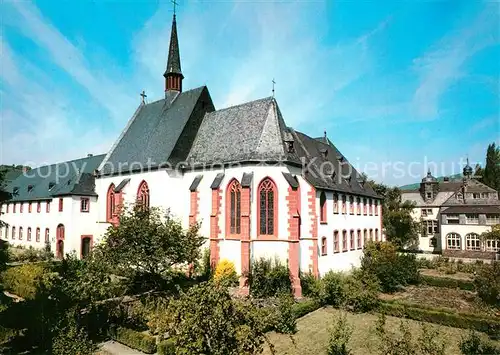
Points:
point(175, 4)
point(143, 95)
point(274, 83)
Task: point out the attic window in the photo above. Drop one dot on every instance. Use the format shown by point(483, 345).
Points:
point(290, 147)
point(69, 182)
point(30, 188)
point(51, 185)
point(324, 152)
point(15, 191)
point(340, 158)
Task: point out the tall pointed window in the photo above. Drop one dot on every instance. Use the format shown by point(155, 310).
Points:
point(233, 207)
point(267, 207)
point(110, 203)
point(143, 194)
point(322, 207)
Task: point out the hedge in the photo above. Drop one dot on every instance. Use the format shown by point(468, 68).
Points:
point(135, 340)
point(447, 282)
point(300, 309)
point(483, 324)
point(166, 347)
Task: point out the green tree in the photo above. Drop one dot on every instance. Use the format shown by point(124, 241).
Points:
point(4, 195)
point(147, 244)
point(491, 174)
point(340, 334)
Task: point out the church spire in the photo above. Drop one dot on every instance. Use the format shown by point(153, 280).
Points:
point(173, 74)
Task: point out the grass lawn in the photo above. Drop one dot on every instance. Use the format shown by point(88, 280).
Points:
point(312, 335)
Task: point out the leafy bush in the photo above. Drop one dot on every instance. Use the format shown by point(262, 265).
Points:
point(361, 291)
point(30, 254)
point(166, 347)
point(392, 343)
point(286, 322)
point(269, 279)
point(225, 272)
point(302, 308)
point(448, 266)
point(135, 340)
point(205, 265)
point(311, 286)
point(25, 280)
point(332, 289)
point(72, 339)
point(487, 282)
point(438, 316)
point(340, 334)
point(474, 345)
point(392, 269)
point(447, 282)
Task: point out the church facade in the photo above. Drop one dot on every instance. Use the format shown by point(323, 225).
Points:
point(257, 187)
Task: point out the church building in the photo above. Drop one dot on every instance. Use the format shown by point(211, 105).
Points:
point(259, 188)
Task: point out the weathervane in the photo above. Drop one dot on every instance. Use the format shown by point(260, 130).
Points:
point(274, 82)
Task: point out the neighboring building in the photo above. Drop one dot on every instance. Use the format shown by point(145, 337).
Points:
point(52, 205)
point(454, 213)
point(258, 187)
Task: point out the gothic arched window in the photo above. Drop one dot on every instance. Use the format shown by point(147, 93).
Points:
point(110, 203)
point(143, 194)
point(267, 207)
point(233, 207)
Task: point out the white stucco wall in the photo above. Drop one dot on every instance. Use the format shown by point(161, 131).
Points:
point(462, 230)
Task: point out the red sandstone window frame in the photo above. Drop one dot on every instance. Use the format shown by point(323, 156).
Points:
point(47, 207)
point(344, 241)
point(110, 203)
point(37, 235)
point(351, 204)
point(370, 207)
point(233, 209)
point(365, 236)
point(14, 207)
point(143, 194)
point(84, 208)
point(60, 231)
point(21, 207)
point(336, 246)
point(20, 233)
point(28, 235)
point(47, 235)
point(352, 241)
point(364, 206)
point(7, 207)
point(376, 207)
point(360, 241)
point(324, 250)
point(344, 203)
point(13, 232)
point(322, 208)
point(336, 203)
point(61, 204)
point(376, 235)
point(270, 186)
point(30, 207)
point(38, 207)
point(371, 234)
point(82, 237)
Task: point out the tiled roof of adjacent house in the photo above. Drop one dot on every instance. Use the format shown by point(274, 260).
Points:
point(471, 209)
point(73, 177)
point(153, 132)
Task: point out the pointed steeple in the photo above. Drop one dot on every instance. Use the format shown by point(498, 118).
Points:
point(173, 74)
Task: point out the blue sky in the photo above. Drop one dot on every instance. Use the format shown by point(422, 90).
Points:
point(396, 82)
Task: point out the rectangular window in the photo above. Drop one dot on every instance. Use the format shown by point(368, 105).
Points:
point(344, 203)
point(472, 218)
point(364, 206)
point(344, 240)
point(336, 241)
point(492, 245)
point(358, 205)
point(452, 219)
point(21, 207)
point(371, 235)
point(37, 235)
point(14, 207)
point(60, 205)
point(428, 195)
point(353, 245)
point(47, 207)
point(376, 208)
point(351, 205)
point(424, 212)
point(84, 205)
point(30, 205)
point(359, 239)
point(492, 219)
point(7, 208)
point(335, 203)
point(476, 195)
point(38, 207)
point(370, 207)
point(323, 246)
point(47, 235)
point(484, 195)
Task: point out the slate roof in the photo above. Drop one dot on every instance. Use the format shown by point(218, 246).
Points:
point(73, 177)
point(253, 131)
point(174, 60)
point(471, 209)
point(152, 133)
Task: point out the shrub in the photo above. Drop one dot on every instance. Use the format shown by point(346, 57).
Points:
point(474, 345)
point(442, 317)
point(392, 343)
point(206, 265)
point(135, 340)
point(286, 322)
point(332, 289)
point(429, 342)
point(487, 282)
point(226, 273)
point(361, 291)
point(25, 280)
point(311, 286)
point(269, 279)
point(166, 347)
point(302, 308)
point(447, 282)
point(72, 340)
point(340, 334)
point(392, 269)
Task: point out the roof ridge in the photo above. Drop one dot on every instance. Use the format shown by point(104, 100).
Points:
point(239, 105)
point(65, 162)
point(180, 93)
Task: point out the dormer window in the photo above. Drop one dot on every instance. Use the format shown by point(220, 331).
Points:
point(428, 195)
point(290, 147)
point(460, 196)
point(51, 185)
point(324, 153)
point(15, 191)
point(30, 188)
point(340, 158)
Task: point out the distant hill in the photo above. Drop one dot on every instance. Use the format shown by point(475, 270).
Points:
point(416, 185)
point(11, 172)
